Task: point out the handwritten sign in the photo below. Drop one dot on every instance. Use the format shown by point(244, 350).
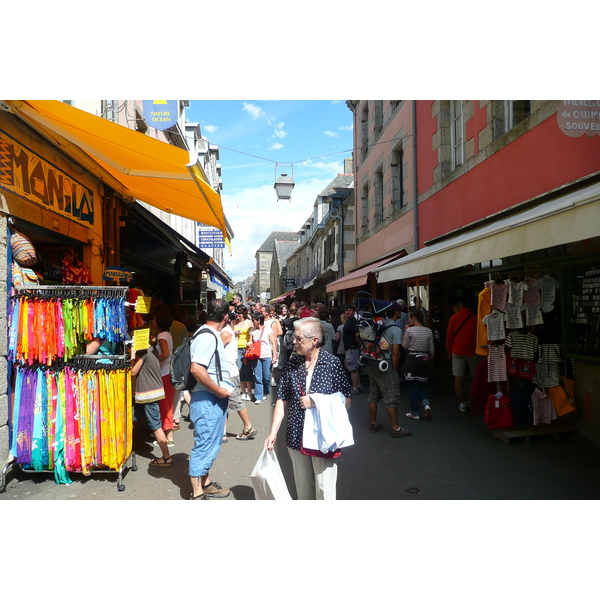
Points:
point(142, 304)
point(141, 339)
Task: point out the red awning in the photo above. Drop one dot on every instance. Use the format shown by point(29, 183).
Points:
point(359, 277)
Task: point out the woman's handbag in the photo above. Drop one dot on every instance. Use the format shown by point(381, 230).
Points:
point(253, 351)
point(267, 478)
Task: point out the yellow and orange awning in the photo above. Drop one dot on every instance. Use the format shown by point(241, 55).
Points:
point(148, 169)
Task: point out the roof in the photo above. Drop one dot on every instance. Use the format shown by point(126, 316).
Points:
point(281, 236)
point(342, 180)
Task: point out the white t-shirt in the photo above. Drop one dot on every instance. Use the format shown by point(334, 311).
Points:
point(164, 364)
point(231, 351)
point(495, 325)
point(514, 319)
point(265, 343)
point(515, 292)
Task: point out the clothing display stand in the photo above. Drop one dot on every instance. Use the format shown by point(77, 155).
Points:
point(84, 400)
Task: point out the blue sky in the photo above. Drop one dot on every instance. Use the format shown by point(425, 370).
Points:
point(259, 139)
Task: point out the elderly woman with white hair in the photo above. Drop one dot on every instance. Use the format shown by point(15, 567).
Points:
point(311, 370)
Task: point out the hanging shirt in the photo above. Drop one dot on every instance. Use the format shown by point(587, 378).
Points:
point(531, 296)
point(499, 294)
point(495, 325)
point(547, 286)
point(496, 363)
point(534, 315)
point(514, 318)
point(515, 292)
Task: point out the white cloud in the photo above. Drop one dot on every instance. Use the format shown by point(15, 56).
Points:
point(332, 134)
point(280, 133)
point(254, 213)
point(211, 128)
point(349, 127)
point(276, 146)
point(256, 112)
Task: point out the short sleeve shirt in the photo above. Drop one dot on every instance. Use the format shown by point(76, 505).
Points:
point(328, 377)
point(202, 352)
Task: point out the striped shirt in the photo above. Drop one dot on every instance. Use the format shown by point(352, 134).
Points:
point(419, 338)
point(522, 345)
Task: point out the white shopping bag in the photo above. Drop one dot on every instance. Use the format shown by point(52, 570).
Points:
point(267, 478)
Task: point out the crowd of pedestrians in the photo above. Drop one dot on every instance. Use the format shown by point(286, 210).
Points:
point(306, 350)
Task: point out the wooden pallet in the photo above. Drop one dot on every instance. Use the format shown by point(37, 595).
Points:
point(556, 428)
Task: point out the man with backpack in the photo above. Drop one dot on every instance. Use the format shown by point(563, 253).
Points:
point(386, 384)
point(209, 400)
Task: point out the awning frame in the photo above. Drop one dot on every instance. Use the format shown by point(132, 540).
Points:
point(506, 236)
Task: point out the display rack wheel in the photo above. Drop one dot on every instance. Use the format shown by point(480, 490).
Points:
point(120, 487)
point(2, 489)
point(134, 468)
point(384, 366)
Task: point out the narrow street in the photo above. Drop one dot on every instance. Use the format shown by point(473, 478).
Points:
point(451, 457)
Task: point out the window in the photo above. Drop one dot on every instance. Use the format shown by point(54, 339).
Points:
point(397, 174)
point(364, 208)
point(378, 196)
point(378, 117)
point(364, 129)
point(516, 111)
point(456, 132)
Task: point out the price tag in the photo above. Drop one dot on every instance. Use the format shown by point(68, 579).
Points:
point(141, 339)
point(142, 304)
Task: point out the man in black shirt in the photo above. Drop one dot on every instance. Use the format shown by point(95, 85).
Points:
point(350, 339)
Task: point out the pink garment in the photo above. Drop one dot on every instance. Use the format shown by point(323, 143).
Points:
point(499, 294)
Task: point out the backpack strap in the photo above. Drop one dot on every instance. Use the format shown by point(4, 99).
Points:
point(215, 353)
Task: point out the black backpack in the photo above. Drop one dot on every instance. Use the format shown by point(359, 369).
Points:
point(181, 364)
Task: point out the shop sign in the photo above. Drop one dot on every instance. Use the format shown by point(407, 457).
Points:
point(117, 275)
point(578, 117)
point(210, 237)
point(161, 114)
point(27, 174)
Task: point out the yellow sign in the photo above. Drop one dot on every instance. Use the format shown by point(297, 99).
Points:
point(142, 304)
point(141, 339)
point(27, 174)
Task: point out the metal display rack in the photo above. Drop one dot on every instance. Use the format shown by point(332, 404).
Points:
point(84, 362)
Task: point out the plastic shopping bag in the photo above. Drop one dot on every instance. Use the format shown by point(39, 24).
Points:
point(267, 478)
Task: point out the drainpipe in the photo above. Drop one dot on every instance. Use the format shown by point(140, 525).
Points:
point(415, 189)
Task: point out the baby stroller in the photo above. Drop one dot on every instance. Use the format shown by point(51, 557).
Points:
point(370, 327)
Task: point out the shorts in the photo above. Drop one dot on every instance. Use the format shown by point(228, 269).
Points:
point(152, 411)
point(383, 386)
point(460, 365)
point(235, 400)
point(351, 359)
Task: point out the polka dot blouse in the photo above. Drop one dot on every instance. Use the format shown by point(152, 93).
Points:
point(328, 377)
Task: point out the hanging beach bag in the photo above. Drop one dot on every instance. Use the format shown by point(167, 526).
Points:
point(22, 249)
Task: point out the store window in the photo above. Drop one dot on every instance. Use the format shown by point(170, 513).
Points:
point(582, 330)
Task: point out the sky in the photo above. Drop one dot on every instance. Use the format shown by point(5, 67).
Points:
point(260, 140)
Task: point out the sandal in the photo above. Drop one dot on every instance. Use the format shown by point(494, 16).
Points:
point(246, 434)
point(166, 462)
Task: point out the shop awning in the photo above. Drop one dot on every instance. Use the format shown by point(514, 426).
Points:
point(217, 276)
point(572, 217)
point(148, 169)
point(357, 278)
point(284, 296)
point(173, 237)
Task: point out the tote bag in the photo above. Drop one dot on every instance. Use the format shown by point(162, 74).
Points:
point(267, 478)
point(253, 352)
